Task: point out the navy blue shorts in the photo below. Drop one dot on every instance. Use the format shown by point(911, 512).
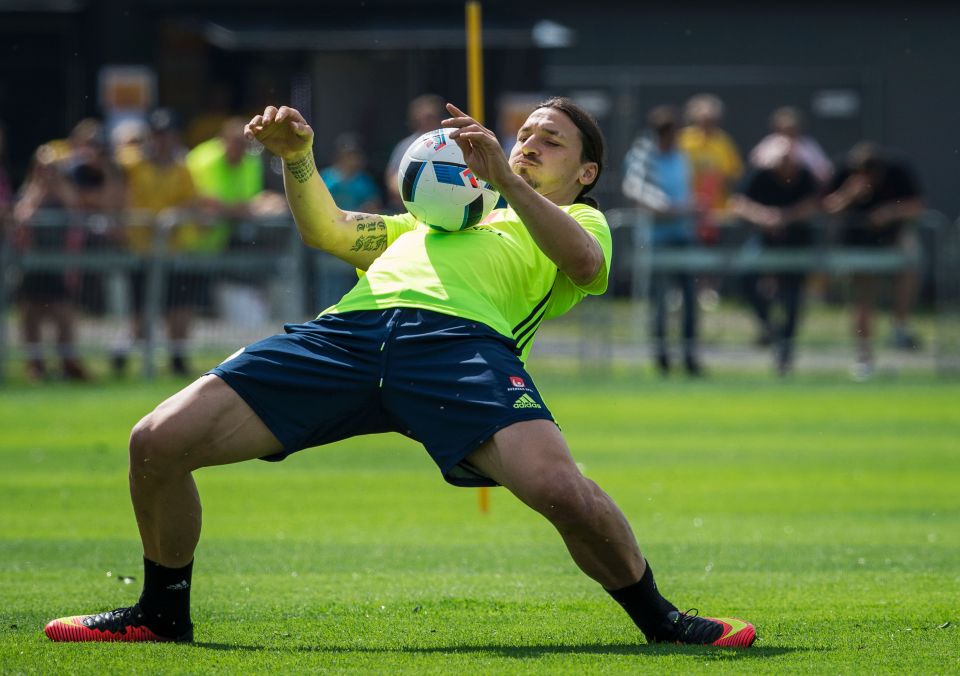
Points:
point(447, 382)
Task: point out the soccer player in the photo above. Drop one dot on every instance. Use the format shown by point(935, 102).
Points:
point(429, 343)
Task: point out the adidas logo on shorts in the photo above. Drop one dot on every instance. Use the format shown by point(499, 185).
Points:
point(526, 401)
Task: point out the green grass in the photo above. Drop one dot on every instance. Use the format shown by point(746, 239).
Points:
point(824, 511)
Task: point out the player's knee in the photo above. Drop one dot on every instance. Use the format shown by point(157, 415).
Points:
point(565, 497)
point(151, 454)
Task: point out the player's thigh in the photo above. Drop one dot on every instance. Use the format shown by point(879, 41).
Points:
point(532, 460)
point(206, 423)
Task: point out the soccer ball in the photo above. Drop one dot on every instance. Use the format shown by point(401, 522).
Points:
point(438, 187)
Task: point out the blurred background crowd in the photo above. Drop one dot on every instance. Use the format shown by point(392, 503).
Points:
point(121, 133)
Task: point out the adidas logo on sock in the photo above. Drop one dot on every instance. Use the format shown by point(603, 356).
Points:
point(526, 401)
point(180, 586)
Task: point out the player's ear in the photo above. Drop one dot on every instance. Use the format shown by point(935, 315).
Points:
point(588, 173)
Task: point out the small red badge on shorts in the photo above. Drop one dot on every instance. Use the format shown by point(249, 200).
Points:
point(517, 382)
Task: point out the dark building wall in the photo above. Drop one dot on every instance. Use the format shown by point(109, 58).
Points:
point(901, 57)
point(909, 52)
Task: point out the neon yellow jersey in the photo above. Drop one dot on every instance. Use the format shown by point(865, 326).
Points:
point(492, 273)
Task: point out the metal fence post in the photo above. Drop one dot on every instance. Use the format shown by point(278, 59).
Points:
point(155, 267)
point(947, 298)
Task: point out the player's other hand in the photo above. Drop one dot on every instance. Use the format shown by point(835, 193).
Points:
point(480, 146)
point(282, 131)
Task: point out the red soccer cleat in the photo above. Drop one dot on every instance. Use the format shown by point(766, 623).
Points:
point(691, 629)
point(122, 624)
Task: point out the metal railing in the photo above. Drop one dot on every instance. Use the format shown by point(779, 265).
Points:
point(738, 254)
point(261, 251)
point(293, 282)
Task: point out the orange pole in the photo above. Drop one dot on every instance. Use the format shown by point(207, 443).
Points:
point(475, 110)
point(474, 61)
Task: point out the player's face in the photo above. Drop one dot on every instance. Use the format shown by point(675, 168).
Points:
point(547, 155)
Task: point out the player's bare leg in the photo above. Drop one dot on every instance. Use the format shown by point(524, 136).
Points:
point(204, 424)
point(532, 460)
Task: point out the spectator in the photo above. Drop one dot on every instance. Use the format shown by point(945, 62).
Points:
point(424, 114)
point(6, 187)
point(657, 178)
point(351, 186)
point(90, 170)
point(44, 296)
point(128, 139)
point(6, 199)
point(779, 200)
point(353, 189)
point(205, 125)
point(877, 197)
point(788, 121)
point(97, 186)
point(229, 178)
point(715, 161)
point(157, 185)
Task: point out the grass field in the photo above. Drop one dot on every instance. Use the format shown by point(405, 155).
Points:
point(826, 512)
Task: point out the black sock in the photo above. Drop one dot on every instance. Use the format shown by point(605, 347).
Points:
point(644, 604)
point(165, 600)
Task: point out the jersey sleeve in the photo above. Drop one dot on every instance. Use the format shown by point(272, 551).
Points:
point(399, 224)
point(565, 293)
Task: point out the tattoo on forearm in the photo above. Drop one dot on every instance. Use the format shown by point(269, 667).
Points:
point(374, 229)
point(301, 169)
point(370, 243)
point(370, 224)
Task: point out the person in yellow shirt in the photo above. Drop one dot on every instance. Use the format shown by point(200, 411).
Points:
point(158, 183)
point(715, 162)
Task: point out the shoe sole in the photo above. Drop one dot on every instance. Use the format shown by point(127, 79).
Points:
point(72, 630)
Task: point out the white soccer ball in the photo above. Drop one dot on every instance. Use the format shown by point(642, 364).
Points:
point(438, 187)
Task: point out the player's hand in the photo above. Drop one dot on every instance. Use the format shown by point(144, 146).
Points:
point(480, 146)
point(282, 131)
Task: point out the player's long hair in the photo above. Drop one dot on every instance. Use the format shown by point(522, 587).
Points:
point(591, 138)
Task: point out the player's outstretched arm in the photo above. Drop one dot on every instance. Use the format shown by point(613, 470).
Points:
point(575, 252)
point(353, 237)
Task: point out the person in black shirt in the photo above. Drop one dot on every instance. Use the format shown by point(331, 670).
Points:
point(877, 197)
point(779, 199)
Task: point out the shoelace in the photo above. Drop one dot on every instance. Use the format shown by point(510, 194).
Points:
point(695, 628)
point(114, 620)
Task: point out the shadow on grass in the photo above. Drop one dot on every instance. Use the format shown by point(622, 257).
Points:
point(519, 652)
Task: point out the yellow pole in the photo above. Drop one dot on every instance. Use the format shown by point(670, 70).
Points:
point(474, 62)
point(475, 110)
